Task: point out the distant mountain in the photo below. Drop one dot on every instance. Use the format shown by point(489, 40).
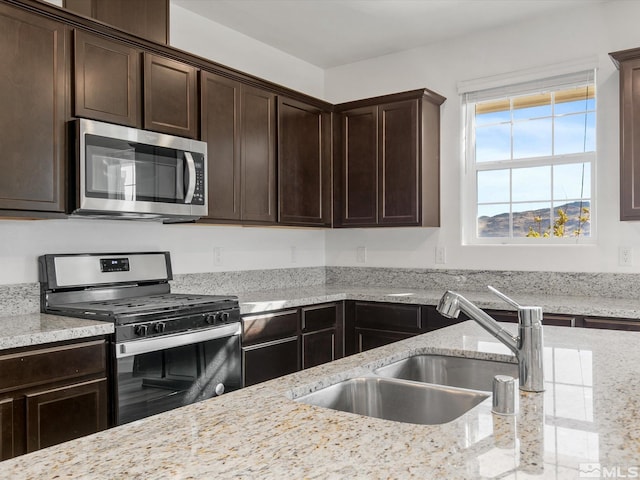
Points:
point(498, 225)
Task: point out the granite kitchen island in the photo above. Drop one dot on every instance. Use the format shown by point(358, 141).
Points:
point(588, 415)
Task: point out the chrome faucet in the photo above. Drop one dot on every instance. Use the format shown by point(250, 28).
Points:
point(527, 346)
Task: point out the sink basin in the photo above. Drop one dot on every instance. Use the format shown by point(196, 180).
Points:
point(396, 400)
point(471, 373)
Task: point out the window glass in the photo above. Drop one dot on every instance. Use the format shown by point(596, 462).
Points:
point(532, 159)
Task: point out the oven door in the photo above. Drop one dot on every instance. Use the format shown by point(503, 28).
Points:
point(161, 373)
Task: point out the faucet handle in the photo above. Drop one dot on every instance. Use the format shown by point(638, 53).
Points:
point(502, 296)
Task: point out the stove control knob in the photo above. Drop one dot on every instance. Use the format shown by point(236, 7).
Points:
point(210, 318)
point(141, 330)
point(224, 317)
point(159, 327)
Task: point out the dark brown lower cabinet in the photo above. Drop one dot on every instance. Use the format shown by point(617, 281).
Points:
point(612, 323)
point(269, 360)
point(557, 320)
point(322, 334)
point(6, 429)
point(377, 324)
point(49, 395)
point(283, 342)
point(61, 414)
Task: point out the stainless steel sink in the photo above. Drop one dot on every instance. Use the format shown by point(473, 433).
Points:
point(471, 373)
point(396, 400)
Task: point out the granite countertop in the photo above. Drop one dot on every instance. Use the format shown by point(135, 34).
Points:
point(37, 328)
point(260, 301)
point(40, 328)
point(588, 415)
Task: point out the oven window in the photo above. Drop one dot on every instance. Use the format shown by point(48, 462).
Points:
point(158, 381)
point(121, 170)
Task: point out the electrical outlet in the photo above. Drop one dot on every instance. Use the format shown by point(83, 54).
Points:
point(625, 258)
point(294, 254)
point(441, 255)
point(361, 254)
point(217, 256)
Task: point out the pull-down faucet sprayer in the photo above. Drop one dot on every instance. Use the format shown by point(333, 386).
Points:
point(527, 346)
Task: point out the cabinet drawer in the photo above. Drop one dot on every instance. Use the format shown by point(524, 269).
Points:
point(270, 326)
point(48, 365)
point(387, 316)
point(612, 323)
point(272, 360)
point(318, 317)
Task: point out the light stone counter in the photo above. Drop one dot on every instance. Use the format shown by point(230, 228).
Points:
point(40, 328)
point(260, 301)
point(588, 415)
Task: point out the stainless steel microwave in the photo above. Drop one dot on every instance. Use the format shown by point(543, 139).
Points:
point(129, 173)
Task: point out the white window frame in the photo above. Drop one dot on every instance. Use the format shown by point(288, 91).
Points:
point(501, 87)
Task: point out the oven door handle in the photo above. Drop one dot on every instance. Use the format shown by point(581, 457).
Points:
point(136, 347)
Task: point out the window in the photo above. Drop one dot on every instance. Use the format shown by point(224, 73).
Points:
point(530, 158)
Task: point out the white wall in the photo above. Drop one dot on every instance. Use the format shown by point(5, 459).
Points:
point(211, 40)
point(590, 31)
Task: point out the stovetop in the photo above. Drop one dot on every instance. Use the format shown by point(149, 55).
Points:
point(149, 307)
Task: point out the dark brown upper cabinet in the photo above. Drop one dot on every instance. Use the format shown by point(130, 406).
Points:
point(170, 96)
point(107, 80)
point(389, 164)
point(239, 126)
point(34, 96)
point(628, 62)
point(304, 164)
point(145, 18)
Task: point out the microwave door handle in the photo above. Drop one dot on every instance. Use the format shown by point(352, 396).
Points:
point(191, 175)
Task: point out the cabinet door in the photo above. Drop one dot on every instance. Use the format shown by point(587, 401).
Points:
point(61, 414)
point(170, 90)
point(257, 157)
point(220, 109)
point(368, 339)
point(303, 164)
point(265, 361)
point(146, 18)
point(398, 163)
point(107, 80)
point(630, 140)
point(360, 167)
point(6, 429)
point(612, 323)
point(318, 348)
point(33, 95)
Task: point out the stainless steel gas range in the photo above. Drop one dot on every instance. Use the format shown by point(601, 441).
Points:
point(168, 349)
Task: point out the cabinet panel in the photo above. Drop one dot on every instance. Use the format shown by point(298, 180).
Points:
point(318, 348)
point(303, 164)
point(146, 18)
point(399, 163)
point(318, 317)
point(61, 414)
point(359, 166)
point(368, 339)
point(269, 326)
point(52, 364)
point(630, 140)
point(220, 108)
point(266, 361)
point(107, 80)
point(6, 429)
point(432, 320)
point(258, 165)
point(170, 91)
point(388, 316)
point(612, 323)
point(33, 95)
